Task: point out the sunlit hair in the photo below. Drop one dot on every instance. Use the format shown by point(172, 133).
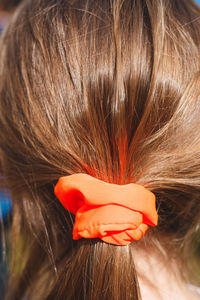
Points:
point(111, 89)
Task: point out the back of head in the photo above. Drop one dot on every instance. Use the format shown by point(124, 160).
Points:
point(110, 89)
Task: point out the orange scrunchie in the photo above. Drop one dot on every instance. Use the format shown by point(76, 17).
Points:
point(117, 214)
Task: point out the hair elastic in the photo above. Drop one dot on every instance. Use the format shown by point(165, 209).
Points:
point(117, 214)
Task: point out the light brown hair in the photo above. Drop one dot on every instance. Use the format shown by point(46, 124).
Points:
point(111, 89)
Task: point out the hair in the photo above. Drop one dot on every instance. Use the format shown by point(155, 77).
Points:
point(110, 89)
point(8, 5)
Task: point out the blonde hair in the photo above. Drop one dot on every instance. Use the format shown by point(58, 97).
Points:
point(111, 89)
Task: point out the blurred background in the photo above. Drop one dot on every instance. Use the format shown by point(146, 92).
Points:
point(7, 7)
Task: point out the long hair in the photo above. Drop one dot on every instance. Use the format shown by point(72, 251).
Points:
point(111, 89)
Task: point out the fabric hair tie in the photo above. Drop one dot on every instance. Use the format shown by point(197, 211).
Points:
point(117, 214)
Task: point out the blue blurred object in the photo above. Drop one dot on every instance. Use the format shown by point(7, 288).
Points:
point(198, 1)
point(5, 213)
point(5, 205)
